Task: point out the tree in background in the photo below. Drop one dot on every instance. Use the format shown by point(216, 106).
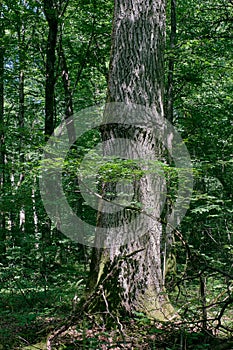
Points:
point(2, 140)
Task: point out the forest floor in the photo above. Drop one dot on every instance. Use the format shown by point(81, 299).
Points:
point(134, 334)
point(29, 313)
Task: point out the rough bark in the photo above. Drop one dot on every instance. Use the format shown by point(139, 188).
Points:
point(134, 276)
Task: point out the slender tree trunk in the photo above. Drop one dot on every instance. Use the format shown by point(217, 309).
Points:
point(70, 123)
point(68, 97)
point(26, 219)
point(169, 114)
point(51, 13)
point(21, 112)
point(2, 144)
point(171, 63)
point(203, 301)
point(136, 77)
point(52, 19)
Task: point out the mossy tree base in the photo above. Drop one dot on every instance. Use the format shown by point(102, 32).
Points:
point(109, 296)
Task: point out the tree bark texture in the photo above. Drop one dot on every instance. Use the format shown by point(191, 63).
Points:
point(135, 78)
point(137, 64)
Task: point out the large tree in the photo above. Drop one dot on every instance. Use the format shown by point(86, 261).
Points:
point(128, 272)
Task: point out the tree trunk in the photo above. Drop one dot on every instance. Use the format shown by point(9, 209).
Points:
point(52, 19)
point(21, 112)
point(169, 238)
point(69, 112)
point(2, 144)
point(130, 275)
point(171, 63)
point(68, 97)
point(51, 13)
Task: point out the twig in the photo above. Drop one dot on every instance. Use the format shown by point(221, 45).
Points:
point(115, 318)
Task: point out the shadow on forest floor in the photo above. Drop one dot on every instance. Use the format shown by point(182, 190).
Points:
point(28, 315)
point(29, 331)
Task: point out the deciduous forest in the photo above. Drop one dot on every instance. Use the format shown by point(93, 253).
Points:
point(144, 257)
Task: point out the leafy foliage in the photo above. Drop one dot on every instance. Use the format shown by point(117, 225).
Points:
point(41, 269)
